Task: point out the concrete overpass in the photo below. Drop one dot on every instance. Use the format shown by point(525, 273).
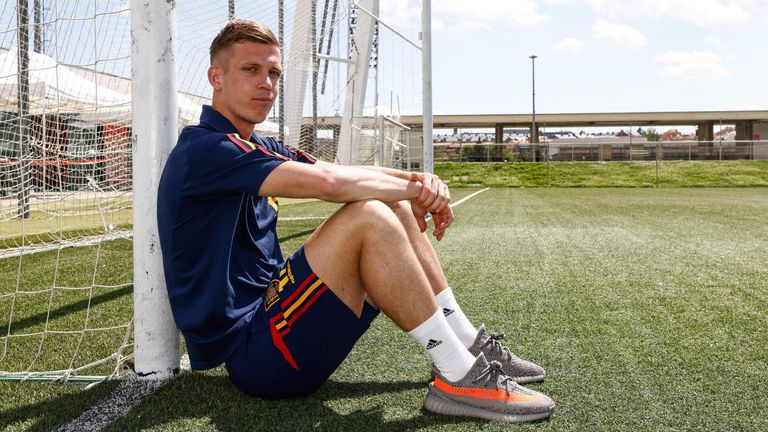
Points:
point(750, 125)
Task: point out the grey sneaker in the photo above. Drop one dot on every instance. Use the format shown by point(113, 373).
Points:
point(486, 393)
point(521, 371)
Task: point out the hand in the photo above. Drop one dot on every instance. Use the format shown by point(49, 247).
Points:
point(434, 196)
point(442, 222)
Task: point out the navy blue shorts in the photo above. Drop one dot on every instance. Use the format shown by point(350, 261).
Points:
point(299, 335)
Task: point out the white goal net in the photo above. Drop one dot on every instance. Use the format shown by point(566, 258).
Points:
point(353, 74)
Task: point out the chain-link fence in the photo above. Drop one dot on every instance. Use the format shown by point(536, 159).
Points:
point(604, 164)
point(602, 151)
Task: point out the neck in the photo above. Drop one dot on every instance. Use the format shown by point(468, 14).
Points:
point(244, 128)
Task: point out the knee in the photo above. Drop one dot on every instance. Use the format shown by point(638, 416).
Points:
point(374, 214)
point(401, 208)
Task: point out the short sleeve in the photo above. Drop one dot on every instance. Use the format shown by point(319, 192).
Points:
point(230, 164)
point(282, 149)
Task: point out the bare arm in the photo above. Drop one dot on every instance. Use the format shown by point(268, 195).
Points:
point(434, 196)
point(337, 183)
point(341, 184)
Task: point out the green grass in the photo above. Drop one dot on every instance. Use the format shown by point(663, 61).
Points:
point(610, 174)
point(647, 307)
point(66, 218)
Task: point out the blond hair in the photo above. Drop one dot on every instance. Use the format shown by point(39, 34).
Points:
point(240, 30)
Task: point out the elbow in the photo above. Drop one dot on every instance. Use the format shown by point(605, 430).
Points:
point(330, 186)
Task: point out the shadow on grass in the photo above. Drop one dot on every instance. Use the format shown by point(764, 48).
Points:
point(70, 308)
point(212, 402)
point(45, 415)
point(297, 235)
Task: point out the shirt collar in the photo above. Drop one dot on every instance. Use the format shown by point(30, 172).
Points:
point(214, 120)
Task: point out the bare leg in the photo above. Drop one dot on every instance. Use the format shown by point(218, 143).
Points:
point(422, 246)
point(364, 249)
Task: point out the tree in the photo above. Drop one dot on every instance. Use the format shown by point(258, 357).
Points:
point(652, 135)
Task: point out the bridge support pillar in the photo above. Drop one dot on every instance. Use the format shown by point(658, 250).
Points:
point(705, 136)
point(744, 135)
point(499, 142)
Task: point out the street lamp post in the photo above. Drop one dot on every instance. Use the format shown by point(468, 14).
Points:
point(534, 131)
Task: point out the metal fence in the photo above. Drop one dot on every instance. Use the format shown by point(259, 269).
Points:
point(601, 151)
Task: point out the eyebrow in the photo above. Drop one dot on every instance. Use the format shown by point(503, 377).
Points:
point(271, 67)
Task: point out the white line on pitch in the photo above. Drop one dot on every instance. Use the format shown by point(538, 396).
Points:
point(429, 216)
point(303, 218)
point(468, 197)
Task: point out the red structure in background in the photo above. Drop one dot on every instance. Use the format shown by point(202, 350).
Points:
point(116, 155)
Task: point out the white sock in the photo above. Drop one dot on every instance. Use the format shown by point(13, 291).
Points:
point(451, 358)
point(466, 332)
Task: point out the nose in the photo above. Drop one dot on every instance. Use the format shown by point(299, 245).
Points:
point(265, 81)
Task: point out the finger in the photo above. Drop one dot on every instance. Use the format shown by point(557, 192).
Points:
point(439, 205)
point(419, 213)
point(428, 192)
point(442, 199)
point(422, 222)
point(439, 227)
point(448, 217)
point(436, 218)
point(448, 220)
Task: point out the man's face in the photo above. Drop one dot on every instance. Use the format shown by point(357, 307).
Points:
point(245, 82)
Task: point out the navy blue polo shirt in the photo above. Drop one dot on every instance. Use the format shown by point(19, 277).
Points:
point(218, 236)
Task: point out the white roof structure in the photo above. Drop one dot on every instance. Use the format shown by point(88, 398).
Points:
point(95, 96)
point(54, 87)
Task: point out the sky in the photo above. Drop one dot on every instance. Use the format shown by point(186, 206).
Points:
point(593, 55)
point(599, 55)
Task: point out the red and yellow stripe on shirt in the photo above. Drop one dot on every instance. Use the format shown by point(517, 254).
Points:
point(248, 146)
point(292, 308)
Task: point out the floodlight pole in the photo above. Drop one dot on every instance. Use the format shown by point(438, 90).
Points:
point(155, 130)
point(534, 131)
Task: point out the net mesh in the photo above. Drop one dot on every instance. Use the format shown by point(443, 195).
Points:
point(66, 158)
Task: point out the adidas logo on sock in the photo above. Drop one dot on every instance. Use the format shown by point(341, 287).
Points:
point(433, 343)
point(447, 311)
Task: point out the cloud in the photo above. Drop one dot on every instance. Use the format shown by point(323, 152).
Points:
point(699, 12)
point(468, 14)
point(757, 8)
point(618, 35)
point(699, 65)
point(400, 12)
point(568, 45)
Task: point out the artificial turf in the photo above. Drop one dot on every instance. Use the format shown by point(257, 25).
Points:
point(647, 307)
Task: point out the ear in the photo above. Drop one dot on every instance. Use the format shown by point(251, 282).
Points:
point(214, 77)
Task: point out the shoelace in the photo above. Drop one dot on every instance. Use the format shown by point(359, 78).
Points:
point(494, 370)
point(493, 340)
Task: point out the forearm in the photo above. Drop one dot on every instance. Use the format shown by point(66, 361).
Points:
point(405, 175)
point(349, 183)
point(337, 183)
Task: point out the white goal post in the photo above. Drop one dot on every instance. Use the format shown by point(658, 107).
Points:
point(153, 71)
